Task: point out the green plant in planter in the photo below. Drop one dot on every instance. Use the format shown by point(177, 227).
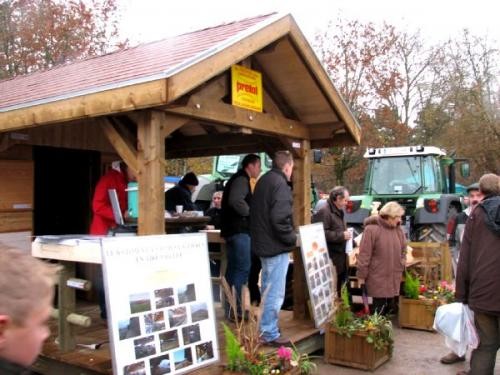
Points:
point(243, 346)
point(378, 328)
point(411, 286)
point(234, 352)
point(343, 315)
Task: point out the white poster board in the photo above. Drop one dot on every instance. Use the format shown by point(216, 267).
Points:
point(318, 270)
point(159, 300)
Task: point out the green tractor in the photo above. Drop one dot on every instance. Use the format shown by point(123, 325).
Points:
point(421, 179)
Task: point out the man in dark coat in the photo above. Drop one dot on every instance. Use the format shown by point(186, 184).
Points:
point(456, 227)
point(332, 216)
point(180, 194)
point(273, 237)
point(478, 277)
point(235, 213)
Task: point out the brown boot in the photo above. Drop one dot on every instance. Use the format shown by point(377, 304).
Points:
point(451, 358)
point(280, 341)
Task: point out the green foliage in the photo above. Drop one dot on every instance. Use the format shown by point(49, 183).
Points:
point(239, 360)
point(378, 327)
point(306, 365)
point(234, 353)
point(343, 315)
point(411, 286)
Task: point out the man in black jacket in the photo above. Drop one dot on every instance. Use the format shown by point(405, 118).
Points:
point(235, 212)
point(180, 194)
point(478, 280)
point(273, 237)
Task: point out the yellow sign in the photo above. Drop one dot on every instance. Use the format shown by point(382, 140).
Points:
point(246, 88)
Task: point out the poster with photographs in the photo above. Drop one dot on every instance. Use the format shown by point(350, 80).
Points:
point(318, 270)
point(159, 300)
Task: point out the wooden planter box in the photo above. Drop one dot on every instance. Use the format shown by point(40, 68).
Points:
point(353, 351)
point(417, 313)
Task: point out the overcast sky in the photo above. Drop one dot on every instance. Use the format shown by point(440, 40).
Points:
point(147, 20)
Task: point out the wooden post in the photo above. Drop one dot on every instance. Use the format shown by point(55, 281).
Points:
point(66, 301)
point(151, 162)
point(302, 215)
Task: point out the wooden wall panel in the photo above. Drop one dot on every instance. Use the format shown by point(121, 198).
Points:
point(16, 221)
point(16, 178)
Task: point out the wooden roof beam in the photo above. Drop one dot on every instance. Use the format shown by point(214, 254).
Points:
point(168, 123)
point(122, 145)
point(339, 140)
point(218, 112)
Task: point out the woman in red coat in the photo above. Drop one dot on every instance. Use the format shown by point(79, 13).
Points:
point(103, 220)
point(116, 178)
point(382, 257)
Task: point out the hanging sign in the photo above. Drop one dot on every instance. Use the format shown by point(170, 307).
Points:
point(246, 88)
point(159, 302)
point(318, 270)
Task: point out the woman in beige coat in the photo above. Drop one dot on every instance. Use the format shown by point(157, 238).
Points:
point(382, 257)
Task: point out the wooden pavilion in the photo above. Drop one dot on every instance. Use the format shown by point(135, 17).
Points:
point(162, 100)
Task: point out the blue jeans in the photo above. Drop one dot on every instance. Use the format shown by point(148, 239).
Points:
point(238, 265)
point(273, 293)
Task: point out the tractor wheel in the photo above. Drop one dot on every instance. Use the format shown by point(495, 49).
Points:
point(436, 232)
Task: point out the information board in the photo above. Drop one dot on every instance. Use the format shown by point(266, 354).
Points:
point(159, 300)
point(319, 271)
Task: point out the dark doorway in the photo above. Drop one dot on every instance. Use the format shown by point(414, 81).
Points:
point(64, 183)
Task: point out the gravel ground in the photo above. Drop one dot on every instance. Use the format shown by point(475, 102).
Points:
point(415, 353)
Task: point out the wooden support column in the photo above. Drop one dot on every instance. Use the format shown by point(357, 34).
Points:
point(302, 215)
point(151, 164)
point(67, 306)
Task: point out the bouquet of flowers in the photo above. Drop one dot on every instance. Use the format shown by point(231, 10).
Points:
point(444, 293)
point(441, 292)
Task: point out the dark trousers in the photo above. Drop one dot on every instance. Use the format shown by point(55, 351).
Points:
point(339, 260)
point(482, 361)
point(253, 280)
point(385, 306)
point(238, 266)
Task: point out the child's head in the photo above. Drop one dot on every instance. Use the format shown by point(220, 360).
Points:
point(26, 292)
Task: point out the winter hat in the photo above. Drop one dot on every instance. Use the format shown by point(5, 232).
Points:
point(189, 179)
point(474, 186)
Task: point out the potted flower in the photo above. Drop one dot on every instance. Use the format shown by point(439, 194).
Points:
point(360, 341)
point(418, 305)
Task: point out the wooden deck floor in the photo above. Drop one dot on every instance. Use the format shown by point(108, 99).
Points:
point(83, 361)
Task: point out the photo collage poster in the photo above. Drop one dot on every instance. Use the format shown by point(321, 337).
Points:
point(318, 271)
point(159, 299)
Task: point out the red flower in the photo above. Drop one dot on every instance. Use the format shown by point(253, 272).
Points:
point(423, 289)
point(285, 353)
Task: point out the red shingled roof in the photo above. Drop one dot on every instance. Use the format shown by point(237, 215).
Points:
point(117, 68)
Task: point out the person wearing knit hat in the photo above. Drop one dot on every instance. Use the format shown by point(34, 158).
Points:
point(180, 194)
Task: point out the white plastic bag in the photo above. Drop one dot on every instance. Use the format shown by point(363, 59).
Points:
point(455, 321)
